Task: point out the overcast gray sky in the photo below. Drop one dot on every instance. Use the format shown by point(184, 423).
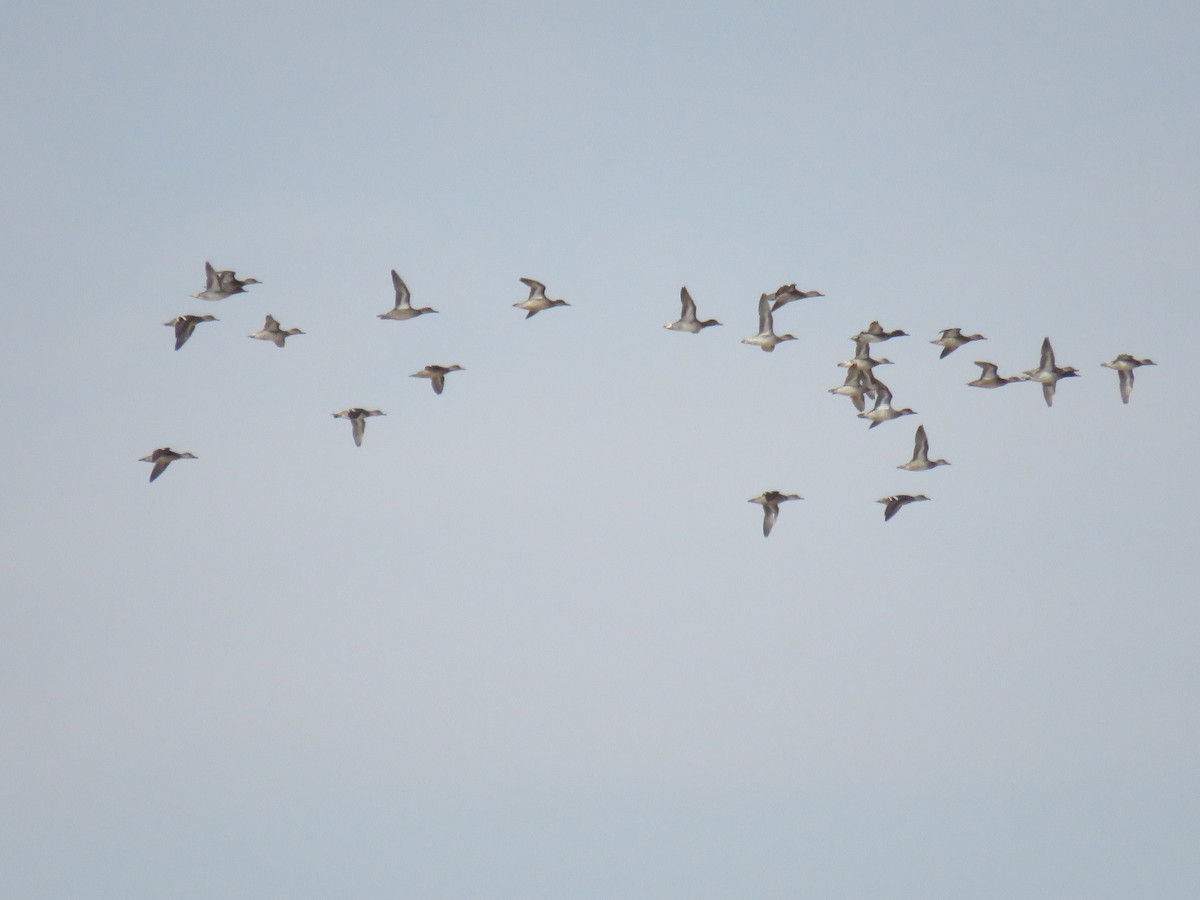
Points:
point(528, 640)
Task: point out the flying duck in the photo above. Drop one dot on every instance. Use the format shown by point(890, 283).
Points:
point(219, 285)
point(687, 316)
point(163, 457)
point(898, 502)
point(404, 308)
point(920, 461)
point(273, 333)
point(537, 299)
point(770, 500)
point(766, 338)
point(875, 334)
point(855, 387)
point(185, 325)
point(786, 293)
point(953, 338)
point(883, 411)
point(862, 360)
point(358, 420)
point(1048, 374)
point(1124, 366)
point(437, 375)
point(989, 379)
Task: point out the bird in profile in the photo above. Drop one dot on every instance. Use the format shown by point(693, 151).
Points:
point(883, 410)
point(234, 285)
point(898, 502)
point(953, 338)
point(185, 325)
point(437, 375)
point(358, 420)
point(1124, 366)
point(221, 284)
point(766, 338)
point(404, 308)
point(862, 360)
point(163, 457)
point(769, 501)
point(687, 316)
point(786, 293)
point(989, 379)
point(875, 334)
point(1048, 374)
point(920, 461)
point(273, 333)
point(857, 384)
point(537, 299)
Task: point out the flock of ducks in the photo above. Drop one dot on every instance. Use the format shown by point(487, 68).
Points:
point(861, 383)
point(222, 284)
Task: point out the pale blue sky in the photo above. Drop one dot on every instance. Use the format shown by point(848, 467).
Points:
point(528, 641)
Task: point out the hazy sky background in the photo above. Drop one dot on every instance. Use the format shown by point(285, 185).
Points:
point(529, 641)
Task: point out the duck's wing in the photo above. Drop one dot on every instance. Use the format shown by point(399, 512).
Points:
point(766, 322)
point(1047, 362)
point(536, 288)
point(883, 394)
point(784, 294)
point(687, 306)
point(770, 514)
point(438, 379)
point(358, 424)
point(921, 445)
point(989, 370)
point(894, 505)
point(212, 278)
point(402, 295)
point(183, 330)
point(1048, 392)
point(271, 324)
point(1126, 378)
point(161, 462)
